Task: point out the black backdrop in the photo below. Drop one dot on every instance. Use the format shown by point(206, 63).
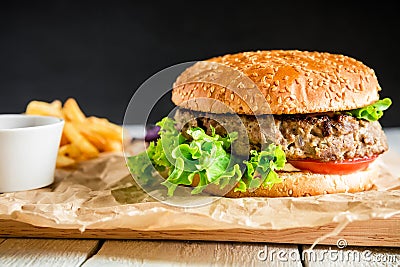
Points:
point(100, 52)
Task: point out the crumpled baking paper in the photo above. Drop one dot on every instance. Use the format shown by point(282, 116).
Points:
point(101, 194)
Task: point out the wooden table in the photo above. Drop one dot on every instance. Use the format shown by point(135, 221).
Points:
point(103, 252)
point(95, 252)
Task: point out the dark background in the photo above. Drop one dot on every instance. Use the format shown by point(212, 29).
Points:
point(100, 52)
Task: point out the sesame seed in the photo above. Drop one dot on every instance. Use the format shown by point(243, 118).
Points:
point(241, 85)
point(232, 96)
point(254, 74)
point(264, 79)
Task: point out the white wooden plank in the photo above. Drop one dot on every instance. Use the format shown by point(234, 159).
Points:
point(45, 252)
point(183, 253)
point(328, 256)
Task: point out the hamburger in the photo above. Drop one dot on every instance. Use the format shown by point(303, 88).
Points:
point(270, 124)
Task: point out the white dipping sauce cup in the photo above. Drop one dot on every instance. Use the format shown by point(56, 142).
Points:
point(28, 151)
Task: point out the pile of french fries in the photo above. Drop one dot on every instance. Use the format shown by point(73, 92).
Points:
point(83, 137)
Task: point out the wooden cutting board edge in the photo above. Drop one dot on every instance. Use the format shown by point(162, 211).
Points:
point(376, 232)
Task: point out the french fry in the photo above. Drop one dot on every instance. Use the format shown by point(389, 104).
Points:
point(72, 111)
point(64, 161)
point(75, 137)
point(83, 137)
point(64, 140)
point(104, 128)
point(96, 139)
point(56, 104)
point(82, 157)
point(107, 123)
point(70, 150)
point(44, 109)
point(113, 145)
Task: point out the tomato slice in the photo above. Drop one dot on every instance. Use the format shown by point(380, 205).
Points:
point(333, 167)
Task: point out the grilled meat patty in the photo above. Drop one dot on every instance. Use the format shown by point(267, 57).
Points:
point(324, 137)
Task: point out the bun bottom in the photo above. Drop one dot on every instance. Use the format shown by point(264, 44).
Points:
point(299, 184)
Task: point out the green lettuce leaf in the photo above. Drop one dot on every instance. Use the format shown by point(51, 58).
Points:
point(205, 157)
point(141, 167)
point(155, 157)
point(262, 165)
point(372, 112)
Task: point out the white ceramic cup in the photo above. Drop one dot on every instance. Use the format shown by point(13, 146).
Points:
point(28, 151)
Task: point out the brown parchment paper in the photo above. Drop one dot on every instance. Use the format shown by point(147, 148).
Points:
point(101, 194)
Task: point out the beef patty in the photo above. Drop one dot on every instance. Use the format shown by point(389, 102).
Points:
point(324, 137)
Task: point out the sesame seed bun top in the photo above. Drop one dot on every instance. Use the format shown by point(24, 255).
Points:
point(288, 81)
